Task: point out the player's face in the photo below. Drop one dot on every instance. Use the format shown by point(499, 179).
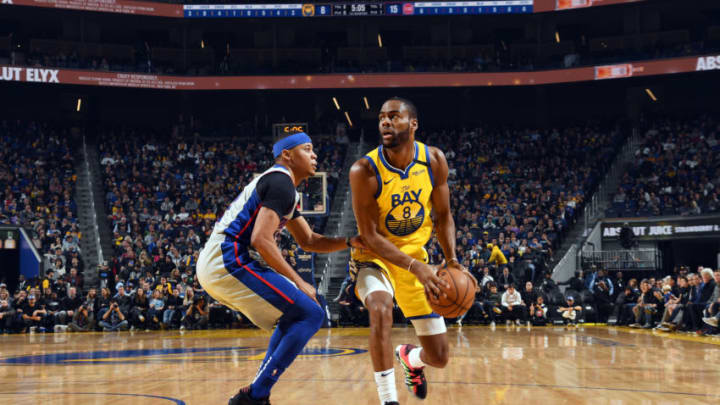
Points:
point(304, 160)
point(395, 125)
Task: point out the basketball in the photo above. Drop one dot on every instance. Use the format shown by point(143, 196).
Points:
point(460, 293)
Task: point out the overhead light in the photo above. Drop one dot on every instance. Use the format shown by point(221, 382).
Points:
point(379, 40)
point(79, 105)
point(650, 93)
point(202, 44)
point(347, 116)
point(557, 37)
point(337, 105)
point(367, 105)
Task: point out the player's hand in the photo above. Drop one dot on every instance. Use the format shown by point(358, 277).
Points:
point(427, 275)
point(357, 242)
point(456, 265)
point(308, 289)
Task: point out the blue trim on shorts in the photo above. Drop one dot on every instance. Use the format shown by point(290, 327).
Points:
point(428, 316)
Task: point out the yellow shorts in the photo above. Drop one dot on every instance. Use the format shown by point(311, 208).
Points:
point(405, 287)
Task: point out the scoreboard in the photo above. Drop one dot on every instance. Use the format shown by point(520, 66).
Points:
point(363, 9)
point(358, 9)
point(284, 129)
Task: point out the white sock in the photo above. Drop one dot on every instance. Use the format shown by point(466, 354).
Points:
point(385, 381)
point(414, 358)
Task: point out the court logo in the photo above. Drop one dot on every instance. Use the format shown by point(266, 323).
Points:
point(407, 213)
point(169, 356)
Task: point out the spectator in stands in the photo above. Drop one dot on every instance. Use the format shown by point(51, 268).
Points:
point(492, 302)
point(675, 301)
point(575, 283)
point(35, 317)
point(603, 300)
point(157, 304)
point(529, 295)
point(7, 314)
point(196, 316)
point(647, 307)
point(114, 319)
point(83, 319)
point(68, 307)
point(486, 277)
point(513, 307)
point(173, 304)
point(570, 312)
point(705, 286)
point(505, 279)
point(538, 312)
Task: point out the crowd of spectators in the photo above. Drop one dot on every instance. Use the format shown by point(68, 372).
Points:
point(516, 192)
point(37, 187)
point(676, 171)
point(682, 300)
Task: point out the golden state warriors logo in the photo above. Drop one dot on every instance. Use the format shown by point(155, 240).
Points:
point(407, 213)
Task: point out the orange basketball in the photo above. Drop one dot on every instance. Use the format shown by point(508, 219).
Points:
point(460, 293)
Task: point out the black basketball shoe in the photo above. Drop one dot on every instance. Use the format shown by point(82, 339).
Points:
point(243, 398)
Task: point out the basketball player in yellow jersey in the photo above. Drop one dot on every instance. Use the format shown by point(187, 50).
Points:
point(394, 188)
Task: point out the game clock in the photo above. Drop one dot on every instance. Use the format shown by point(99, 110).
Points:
point(284, 129)
point(358, 9)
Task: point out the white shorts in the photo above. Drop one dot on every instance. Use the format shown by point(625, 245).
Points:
point(371, 280)
point(259, 298)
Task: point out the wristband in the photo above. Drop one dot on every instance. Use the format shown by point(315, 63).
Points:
point(453, 259)
point(411, 263)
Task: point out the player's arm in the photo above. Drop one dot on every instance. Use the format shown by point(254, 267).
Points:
point(364, 185)
point(263, 240)
point(314, 242)
point(440, 197)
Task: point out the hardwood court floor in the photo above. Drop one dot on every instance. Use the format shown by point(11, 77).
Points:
point(586, 365)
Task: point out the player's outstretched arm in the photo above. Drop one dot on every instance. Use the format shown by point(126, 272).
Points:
point(363, 184)
point(314, 242)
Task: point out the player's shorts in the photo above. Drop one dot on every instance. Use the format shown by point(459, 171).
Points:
point(258, 292)
point(404, 287)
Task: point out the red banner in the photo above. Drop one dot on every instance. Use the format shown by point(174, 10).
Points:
point(107, 6)
point(540, 6)
point(340, 81)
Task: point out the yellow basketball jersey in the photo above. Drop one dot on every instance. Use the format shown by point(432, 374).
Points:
point(403, 197)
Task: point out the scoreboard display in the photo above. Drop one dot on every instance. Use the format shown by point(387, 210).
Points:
point(363, 9)
point(281, 130)
point(358, 9)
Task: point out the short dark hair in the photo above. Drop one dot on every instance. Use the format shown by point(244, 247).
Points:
point(409, 105)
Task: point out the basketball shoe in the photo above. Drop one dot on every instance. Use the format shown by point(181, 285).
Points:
point(414, 377)
point(243, 398)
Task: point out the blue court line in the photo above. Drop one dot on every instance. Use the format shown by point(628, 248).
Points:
point(173, 400)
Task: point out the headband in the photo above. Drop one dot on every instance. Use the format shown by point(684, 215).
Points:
point(290, 142)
